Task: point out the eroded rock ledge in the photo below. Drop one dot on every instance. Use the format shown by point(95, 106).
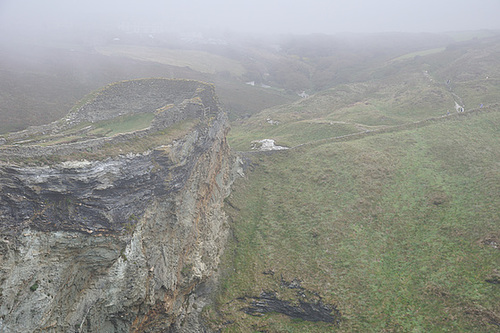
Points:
point(127, 243)
point(303, 304)
point(268, 302)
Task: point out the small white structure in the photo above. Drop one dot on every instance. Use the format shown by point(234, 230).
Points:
point(303, 94)
point(266, 145)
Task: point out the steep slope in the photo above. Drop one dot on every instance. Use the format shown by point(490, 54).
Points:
point(393, 232)
point(384, 214)
point(127, 241)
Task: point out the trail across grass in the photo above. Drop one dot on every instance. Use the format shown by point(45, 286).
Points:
point(398, 230)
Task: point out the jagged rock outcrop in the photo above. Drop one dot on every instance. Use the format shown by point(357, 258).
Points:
point(305, 304)
point(129, 243)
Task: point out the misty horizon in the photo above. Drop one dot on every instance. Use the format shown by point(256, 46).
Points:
point(261, 17)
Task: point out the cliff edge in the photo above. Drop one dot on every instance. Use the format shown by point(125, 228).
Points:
point(111, 219)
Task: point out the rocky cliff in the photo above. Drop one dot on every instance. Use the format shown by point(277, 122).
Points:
point(123, 241)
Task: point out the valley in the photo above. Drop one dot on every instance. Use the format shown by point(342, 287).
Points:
point(381, 216)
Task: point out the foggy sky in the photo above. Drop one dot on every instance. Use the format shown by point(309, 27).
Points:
point(261, 16)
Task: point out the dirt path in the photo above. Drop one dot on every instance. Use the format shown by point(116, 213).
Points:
point(403, 127)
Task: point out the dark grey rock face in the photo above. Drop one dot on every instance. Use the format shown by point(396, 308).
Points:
point(302, 303)
point(126, 244)
point(268, 302)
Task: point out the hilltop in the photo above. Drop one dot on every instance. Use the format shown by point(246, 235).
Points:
point(111, 218)
point(109, 121)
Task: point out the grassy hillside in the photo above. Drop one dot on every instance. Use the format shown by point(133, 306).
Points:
point(348, 109)
point(40, 84)
point(42, 80)
point(399, 91)
point(400, 231)
point(395, 227)
point(198, 60)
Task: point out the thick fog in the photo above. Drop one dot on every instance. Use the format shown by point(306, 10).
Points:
point(261, 16)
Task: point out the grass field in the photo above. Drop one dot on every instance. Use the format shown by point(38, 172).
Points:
point(399, 231)
point(345, 110)
point(197, 60)
point(133, 145)
point(124, 124)
point(107, 128)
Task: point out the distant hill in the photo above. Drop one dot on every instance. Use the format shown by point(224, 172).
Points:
point(41, 82)
point(399, 91)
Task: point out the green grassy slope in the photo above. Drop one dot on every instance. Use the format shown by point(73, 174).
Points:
point(347, 109)
point(399, 92)
point(399, 230)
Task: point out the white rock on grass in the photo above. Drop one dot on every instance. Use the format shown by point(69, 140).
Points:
point(265, 145)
